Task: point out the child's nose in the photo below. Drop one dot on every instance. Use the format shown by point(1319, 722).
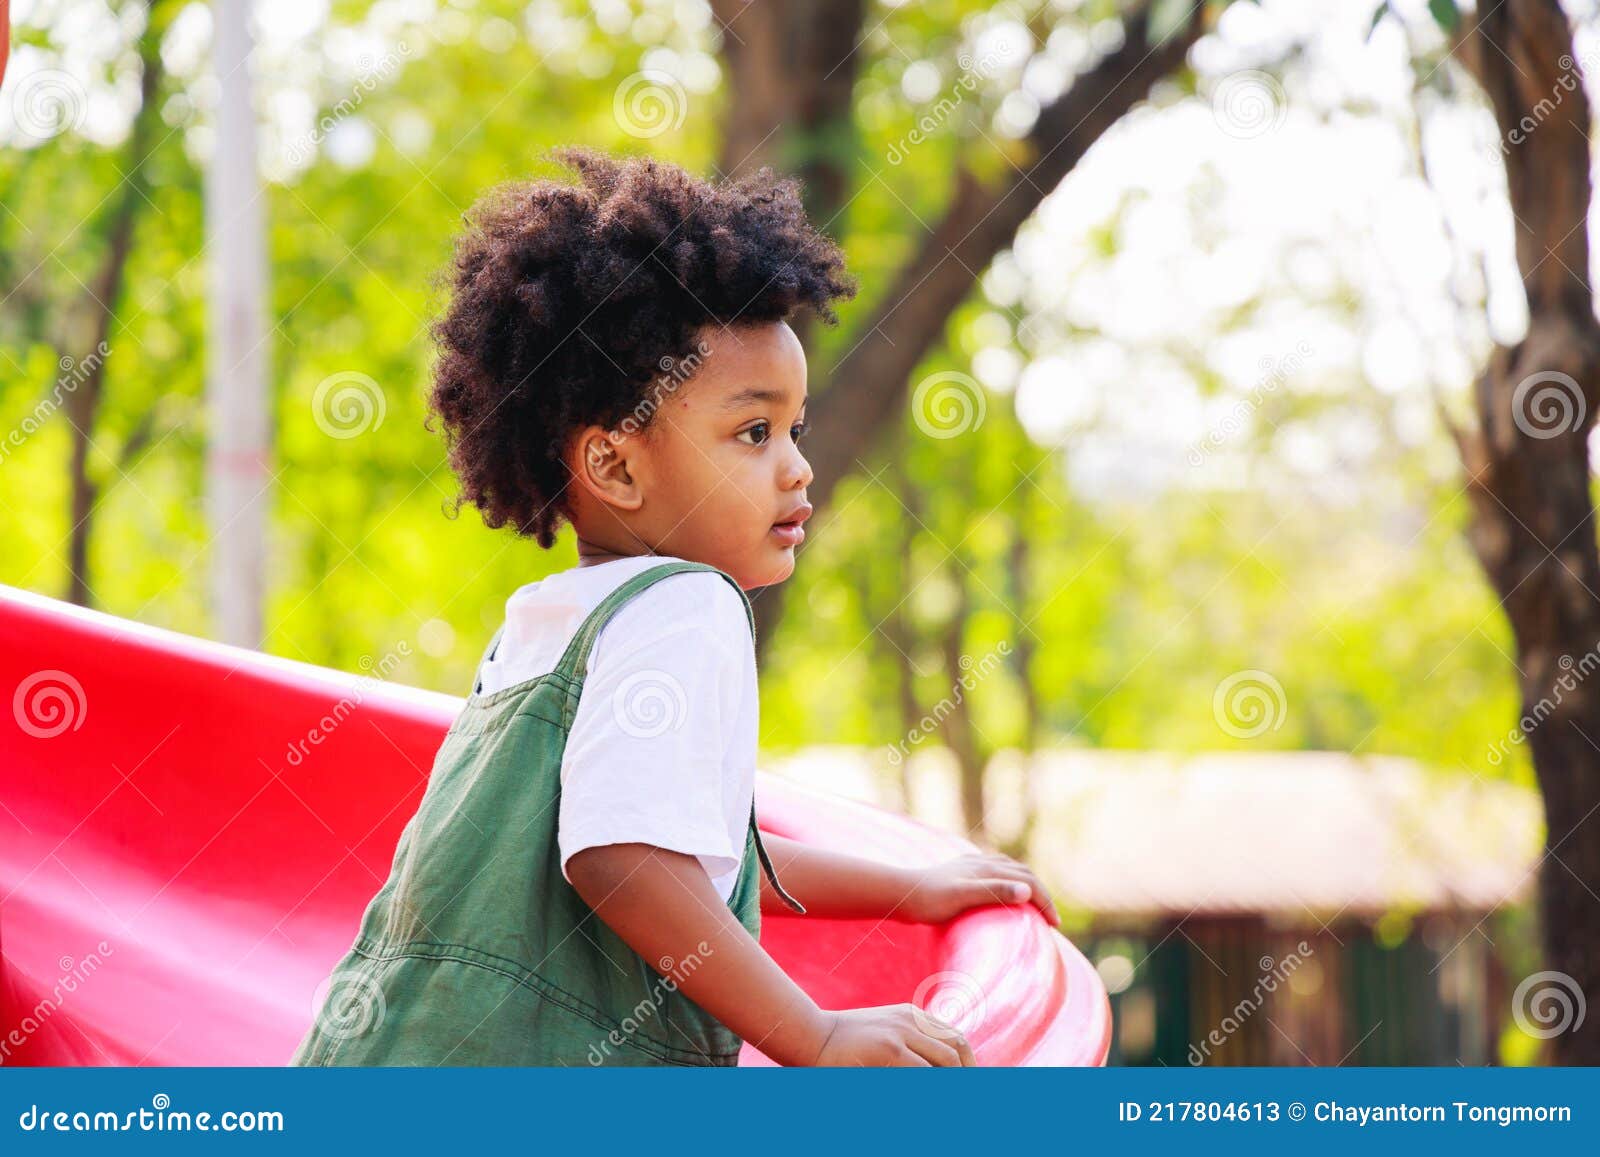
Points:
point(797, 472)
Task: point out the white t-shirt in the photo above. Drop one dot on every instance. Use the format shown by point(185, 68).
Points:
point(663, 744)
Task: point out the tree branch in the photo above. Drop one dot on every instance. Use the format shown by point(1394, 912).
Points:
point(871, 381)
point(1515, 53)
point(1529, 479)
point(792, 68)
point(83, 404)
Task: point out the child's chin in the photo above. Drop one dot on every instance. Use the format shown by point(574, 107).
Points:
point(781, 569)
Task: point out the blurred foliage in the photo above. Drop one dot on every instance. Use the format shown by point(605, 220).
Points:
point(1368, 610)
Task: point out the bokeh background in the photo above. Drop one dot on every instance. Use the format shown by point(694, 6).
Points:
point(1170, 461)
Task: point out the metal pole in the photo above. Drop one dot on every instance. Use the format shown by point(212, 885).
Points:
point(237, 373)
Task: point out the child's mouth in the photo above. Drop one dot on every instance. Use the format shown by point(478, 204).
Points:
point(790, 532)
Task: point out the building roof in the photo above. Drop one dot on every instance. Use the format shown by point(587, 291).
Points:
point(1136, 834)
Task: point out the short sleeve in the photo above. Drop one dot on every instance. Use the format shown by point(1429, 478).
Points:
point(646, 759)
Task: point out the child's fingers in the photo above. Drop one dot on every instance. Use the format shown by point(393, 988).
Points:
point(1041, 897)
point(940, 1032)
point(1011, 890)
point(1005, 889)
point(1018, 885)
point(964, 1051)
point(935, 1050)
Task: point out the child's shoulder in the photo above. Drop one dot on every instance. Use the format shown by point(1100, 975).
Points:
point(692, 605)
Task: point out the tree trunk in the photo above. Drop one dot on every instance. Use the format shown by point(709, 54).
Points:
point(1528, 478)
point(960, 732)
point(897, 626)
point(792, 69)
point(1020, 592)
point(82, 407)
point(870, 383)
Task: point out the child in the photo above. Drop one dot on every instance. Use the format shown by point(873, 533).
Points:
point(582, 882)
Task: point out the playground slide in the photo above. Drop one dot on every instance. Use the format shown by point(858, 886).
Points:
point(189, 833)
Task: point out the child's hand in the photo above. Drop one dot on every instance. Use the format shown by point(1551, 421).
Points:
point(947, 889)
point(892, 1034)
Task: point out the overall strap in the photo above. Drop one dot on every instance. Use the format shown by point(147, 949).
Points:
point(488, 652)
point(575, 661)
point(766, 865)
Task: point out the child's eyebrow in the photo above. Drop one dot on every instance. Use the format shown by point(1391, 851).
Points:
point(734, 401)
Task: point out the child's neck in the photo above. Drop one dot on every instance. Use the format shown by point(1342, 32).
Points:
point(592, 554)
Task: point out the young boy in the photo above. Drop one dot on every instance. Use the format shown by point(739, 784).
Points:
point(580, 884)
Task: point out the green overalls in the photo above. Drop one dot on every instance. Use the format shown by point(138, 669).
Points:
point(476, 950)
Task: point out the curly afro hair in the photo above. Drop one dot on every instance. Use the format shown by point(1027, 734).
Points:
point(567, 300)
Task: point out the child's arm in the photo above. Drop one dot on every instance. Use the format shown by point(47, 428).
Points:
point(664, 906)
point(841, 885)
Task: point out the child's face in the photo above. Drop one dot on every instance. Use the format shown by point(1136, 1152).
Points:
point(716, 476)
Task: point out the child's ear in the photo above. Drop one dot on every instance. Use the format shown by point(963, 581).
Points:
point(601, 467)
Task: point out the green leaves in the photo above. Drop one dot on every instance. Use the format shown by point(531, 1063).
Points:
point(1135, 614)
point(1445, 14)
point(1378, 14)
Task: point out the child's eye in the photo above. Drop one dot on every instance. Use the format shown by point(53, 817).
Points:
point(800, 430)
point(759, 426)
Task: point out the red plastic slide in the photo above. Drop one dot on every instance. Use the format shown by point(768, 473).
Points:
point(189, 833)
